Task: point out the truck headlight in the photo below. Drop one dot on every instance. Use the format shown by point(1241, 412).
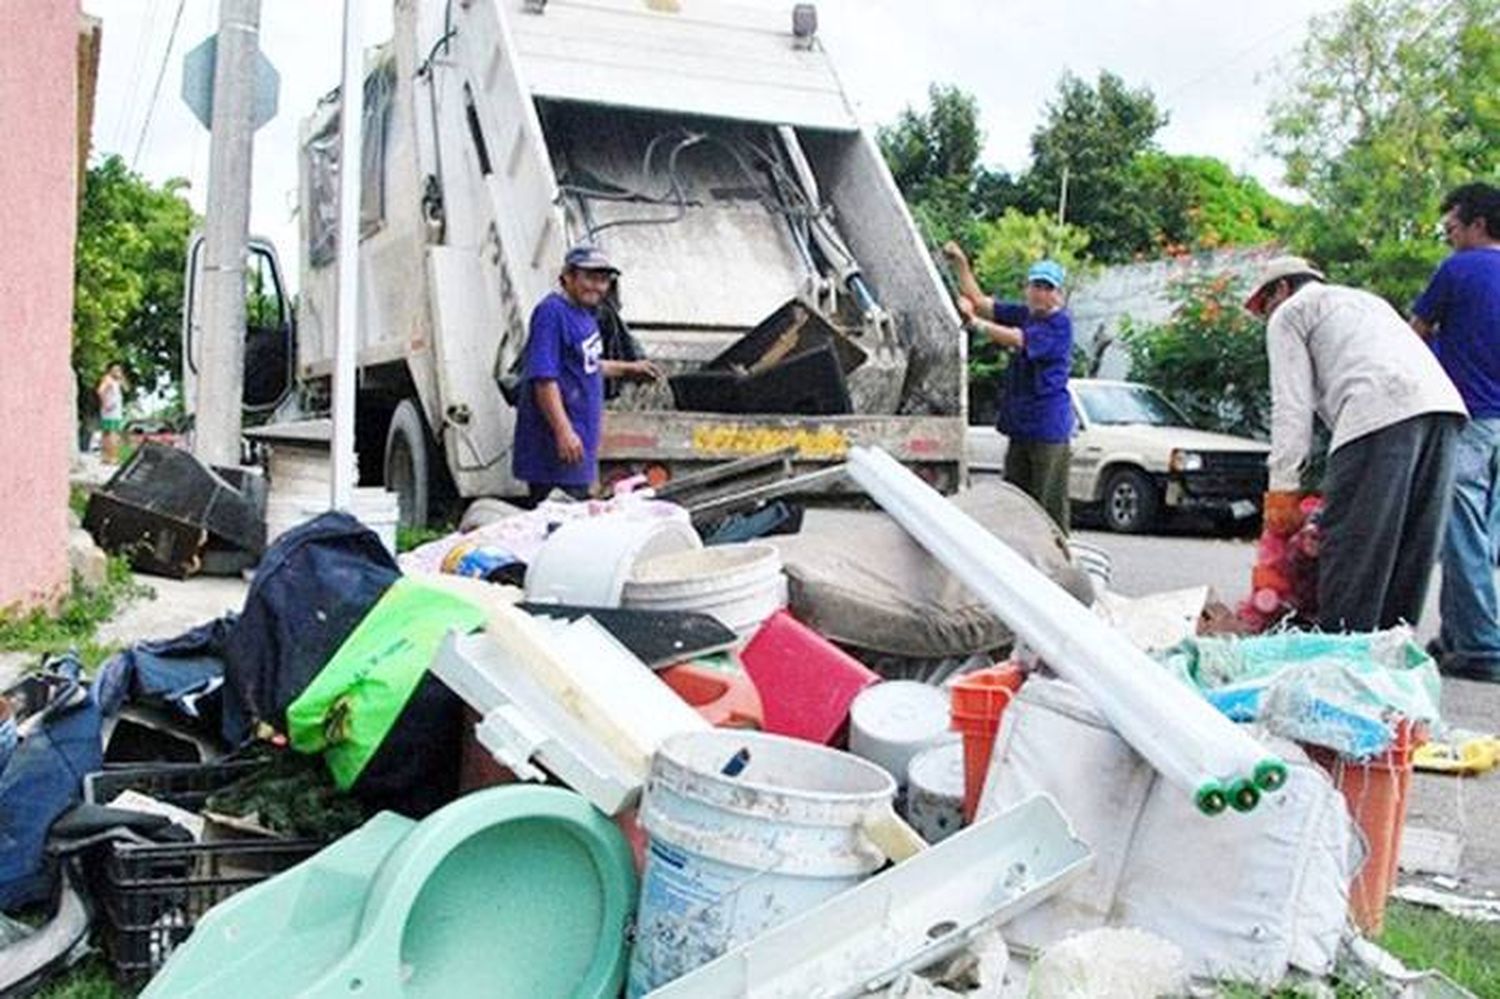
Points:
point(1186, 461)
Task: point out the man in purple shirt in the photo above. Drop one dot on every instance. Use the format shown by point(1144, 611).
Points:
point(1459, 314)
point(560, 406)
point(1036, 412)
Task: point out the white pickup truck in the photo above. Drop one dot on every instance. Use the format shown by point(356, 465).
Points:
point(1135, 457)
point(708, 147)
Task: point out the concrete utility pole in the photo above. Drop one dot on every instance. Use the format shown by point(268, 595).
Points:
point(346, 342)
point(226, 236)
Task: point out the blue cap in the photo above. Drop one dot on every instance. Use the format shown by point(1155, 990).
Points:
point(588, 258)
point(1049, 271)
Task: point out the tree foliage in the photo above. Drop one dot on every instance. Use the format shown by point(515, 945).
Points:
point(128, 265)
point(1094, 133)
point(1198, 203)
point(1391, 103)
point(1209, 358)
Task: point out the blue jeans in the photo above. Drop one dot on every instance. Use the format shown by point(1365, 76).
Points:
point(1470, 635)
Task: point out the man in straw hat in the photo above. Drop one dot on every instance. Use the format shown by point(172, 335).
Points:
point(1346, 357)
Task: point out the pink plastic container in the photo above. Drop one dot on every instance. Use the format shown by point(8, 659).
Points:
point(806, 683)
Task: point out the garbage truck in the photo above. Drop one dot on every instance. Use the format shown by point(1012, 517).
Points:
point(711, 151)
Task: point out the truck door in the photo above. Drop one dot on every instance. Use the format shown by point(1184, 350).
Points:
point(270, 328)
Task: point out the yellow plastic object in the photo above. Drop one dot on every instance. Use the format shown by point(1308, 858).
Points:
point(1467, 758)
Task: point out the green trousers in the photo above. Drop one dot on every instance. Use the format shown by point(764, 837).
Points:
point(1041, 471)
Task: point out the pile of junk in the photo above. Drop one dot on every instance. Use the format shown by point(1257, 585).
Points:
point(913, 749)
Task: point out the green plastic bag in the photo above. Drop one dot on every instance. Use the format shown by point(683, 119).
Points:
point(350, 706)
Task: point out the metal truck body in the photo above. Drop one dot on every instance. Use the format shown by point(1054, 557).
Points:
point(709, 149)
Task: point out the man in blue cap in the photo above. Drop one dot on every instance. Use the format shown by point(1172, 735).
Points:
point(560, 406)
point(1036, 412)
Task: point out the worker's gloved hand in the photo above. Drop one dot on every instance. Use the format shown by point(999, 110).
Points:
point(1282, 512)
point(965, 309)
point(955, 254)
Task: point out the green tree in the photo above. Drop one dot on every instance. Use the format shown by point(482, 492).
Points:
point(1199, 203)
point(1391, 103)
point(1094, 133)
point(128, 264)
point(1209, 358)
point(934, 156)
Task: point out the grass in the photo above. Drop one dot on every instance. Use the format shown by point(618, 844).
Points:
point(76, 622)
point(88, 980)
point(1467, 952)
point(78, 499)
point(408, 538)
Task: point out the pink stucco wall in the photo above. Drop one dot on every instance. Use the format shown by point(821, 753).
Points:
point(38, 175)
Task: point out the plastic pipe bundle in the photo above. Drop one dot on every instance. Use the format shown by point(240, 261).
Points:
point(1178, 732)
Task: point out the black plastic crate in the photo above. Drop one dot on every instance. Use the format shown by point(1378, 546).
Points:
point(151, 895)
point(186, 785)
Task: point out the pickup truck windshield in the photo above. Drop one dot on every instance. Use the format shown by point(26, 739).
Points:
point(1119, 405)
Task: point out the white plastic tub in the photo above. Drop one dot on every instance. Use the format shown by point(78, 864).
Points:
point(741, 585)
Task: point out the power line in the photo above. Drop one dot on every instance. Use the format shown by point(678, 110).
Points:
point(156, 89)
point(137, 65)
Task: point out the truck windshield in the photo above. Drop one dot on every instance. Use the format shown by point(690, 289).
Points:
point(1125, 404)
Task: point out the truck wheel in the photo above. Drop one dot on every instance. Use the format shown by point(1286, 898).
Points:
point(408, 464)
point(1131, 502)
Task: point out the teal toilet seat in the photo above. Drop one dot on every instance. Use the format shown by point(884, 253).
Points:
point(515, 892)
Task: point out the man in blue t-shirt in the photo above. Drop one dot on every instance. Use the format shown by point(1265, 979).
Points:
point(560, 406)
point(1036, 412)
point(1459, 314)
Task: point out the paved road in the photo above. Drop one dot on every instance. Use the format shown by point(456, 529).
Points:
point(1471, 807)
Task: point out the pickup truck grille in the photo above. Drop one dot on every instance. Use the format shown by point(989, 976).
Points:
point(1229, 475)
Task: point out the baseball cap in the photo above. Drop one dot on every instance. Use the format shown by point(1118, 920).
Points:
point(1049, 271)
point(1276, 269)
point(588, 258)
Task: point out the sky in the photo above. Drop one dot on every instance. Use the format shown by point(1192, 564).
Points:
point(1212, 67)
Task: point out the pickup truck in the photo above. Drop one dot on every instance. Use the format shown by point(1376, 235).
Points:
point(1136, 457)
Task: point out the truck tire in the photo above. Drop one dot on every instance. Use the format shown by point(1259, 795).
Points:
point(1131, 502)
point(409, 457)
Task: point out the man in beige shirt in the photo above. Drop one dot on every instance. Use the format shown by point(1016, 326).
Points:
point(1347, 358)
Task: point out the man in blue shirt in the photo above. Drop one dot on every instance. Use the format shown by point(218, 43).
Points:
point(1036, 412)
point(560, 406)
point(1459, 314)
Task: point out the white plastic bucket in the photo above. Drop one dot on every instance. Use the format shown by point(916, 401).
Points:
point(732, 856)
point(892, 722)
point(935, 791)
point(741, 585)
point(374, 507)
point(587, 562)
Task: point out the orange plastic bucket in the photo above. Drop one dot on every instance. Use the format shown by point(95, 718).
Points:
point(1376, 791)
point(979, 699)
point(724, 699)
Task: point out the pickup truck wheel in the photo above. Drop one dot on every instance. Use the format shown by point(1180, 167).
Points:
point(1131, 501)
point(408, 464)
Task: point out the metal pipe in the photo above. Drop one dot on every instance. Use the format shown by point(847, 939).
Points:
point(1179, 733)
point(346, 341)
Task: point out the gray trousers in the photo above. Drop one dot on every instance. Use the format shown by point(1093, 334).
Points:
point(1040, 470)
point(1386, 501)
